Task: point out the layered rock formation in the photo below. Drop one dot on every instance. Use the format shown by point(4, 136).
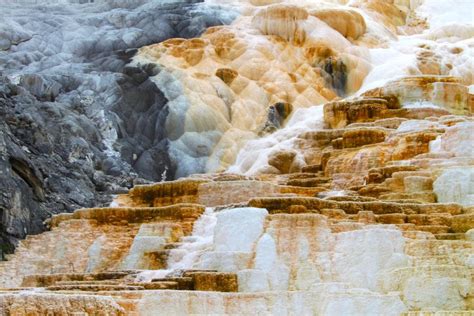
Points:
point(77, 125)
point(226, 87)
point(377, 220)
point(347, 163)
point(264, 246)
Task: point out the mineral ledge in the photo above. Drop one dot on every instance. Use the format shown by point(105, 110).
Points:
point(363, 205)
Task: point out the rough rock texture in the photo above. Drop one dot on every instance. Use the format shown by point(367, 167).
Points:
point(50, 162)
point(447, 92)
point(59, 305)
point(238, 82)
point(362, 205)
point(77, 124)
point(365, 254)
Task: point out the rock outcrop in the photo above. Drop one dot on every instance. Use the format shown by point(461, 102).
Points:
point(49, 163)
point(248, 252)
point(76, 123)
point(336, 176)
point(238, 82)
point(377, 218)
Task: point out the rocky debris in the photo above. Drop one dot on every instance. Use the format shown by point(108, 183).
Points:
point(277, 114)
point(335, 74)
point(282, 160)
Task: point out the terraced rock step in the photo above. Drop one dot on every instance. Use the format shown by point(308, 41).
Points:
point(191, 280)
point(324, 187)
point(94, 287)
point(426, 242)
point(354, 207)
point(44, 280)
point(308, 182)
point(421, 239)
point(130, 215)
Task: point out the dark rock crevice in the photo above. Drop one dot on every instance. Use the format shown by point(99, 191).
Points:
point(277, 114)
point(334, 72)
point(24, 171)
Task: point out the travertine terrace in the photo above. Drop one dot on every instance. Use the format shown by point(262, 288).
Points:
point(327, 192)
point(396, 237)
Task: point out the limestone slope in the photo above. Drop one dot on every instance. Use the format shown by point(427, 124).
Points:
point(326, 150)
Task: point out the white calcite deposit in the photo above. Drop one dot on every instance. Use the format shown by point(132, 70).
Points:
point(456, 185)
point(305, 270)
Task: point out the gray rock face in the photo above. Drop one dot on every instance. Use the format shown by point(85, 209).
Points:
point(50, 162)
point(76, 123)
point(141, 139)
